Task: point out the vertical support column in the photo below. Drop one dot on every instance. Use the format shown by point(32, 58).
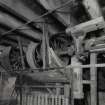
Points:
point(77, 86)
point(93, 75)
point(77, 79)
point(45, 44)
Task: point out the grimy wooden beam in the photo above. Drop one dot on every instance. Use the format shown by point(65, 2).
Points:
point(21, 8)
point(51, 4)
point(92, 8)
point(11, 22)
point(77, 79)
point(88, 26)
point(78, 32)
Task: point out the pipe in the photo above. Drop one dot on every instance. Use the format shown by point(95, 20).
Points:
point(13, 23)
point(49, 5)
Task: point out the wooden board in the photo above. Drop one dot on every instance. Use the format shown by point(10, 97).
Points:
point(48, 76)
point(92, 8)
point(89, 26)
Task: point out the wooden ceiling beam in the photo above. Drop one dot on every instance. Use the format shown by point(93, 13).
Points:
point(50, 5)
point(92, 8)
point(88, 26)
point(23, 9)
point(14, 23)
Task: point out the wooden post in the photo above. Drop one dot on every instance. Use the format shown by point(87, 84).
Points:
point(77, 79)
point(93, 75)
point(45, 45)
point(45, 48)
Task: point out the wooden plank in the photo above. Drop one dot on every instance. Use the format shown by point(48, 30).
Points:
point(77, 79)
point(88, 26)
point(66, 91)
point(26, 99)
point(92, 8)
point(31, 99)
point(98, 48)
point(24, 11)
point(56, 100)
point(42, 102)
point(71, 91)
point(93, 74)
point(39, 99)
point(63, 100)
point(58, 89)
point(87, 66)
point(35, 100)
point(23, 101)
point(52, 97)
point(53, 76)
point(46, 99)
point(30, 103)
point(86, 82)
point(12, 22)
point(48, 76)
point(59, 101)
point(66, 101)
point(42, 86)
